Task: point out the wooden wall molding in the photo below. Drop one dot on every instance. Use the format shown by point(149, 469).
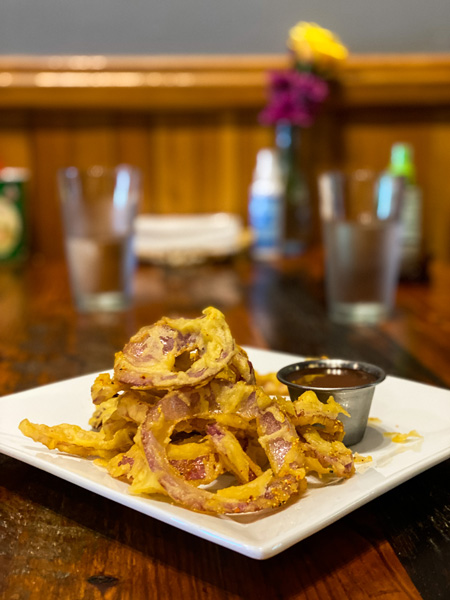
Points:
point(196, 82)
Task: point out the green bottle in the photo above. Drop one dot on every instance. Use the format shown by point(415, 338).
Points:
point(402, 165)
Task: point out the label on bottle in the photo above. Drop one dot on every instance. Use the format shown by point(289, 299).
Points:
point(411, 217)
point(411, 266)
point(266, 220)
point(12, 214)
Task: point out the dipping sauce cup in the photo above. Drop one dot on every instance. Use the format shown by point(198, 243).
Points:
point(351, 383)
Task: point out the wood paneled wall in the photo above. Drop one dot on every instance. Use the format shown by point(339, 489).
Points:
point(191, 125)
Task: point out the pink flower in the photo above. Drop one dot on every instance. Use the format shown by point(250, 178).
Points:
point(294, 97)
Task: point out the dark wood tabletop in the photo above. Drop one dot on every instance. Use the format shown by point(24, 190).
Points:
point(61, 541)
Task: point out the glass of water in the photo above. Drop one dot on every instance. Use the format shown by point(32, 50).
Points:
point(99, 206)
point(360, 214)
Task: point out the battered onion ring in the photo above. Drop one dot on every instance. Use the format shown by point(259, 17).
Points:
point(277, 436)
point(187, 379)
point(148, 361)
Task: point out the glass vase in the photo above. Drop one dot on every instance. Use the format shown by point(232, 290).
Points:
point(297, 200)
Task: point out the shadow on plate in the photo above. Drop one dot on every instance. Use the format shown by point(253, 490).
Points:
point(373, 439)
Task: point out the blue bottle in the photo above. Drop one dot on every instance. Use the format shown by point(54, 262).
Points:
point(266, 206)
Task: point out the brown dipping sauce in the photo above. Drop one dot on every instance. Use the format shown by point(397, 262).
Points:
point(331, 377)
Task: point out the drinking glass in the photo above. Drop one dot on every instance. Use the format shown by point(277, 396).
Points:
point(99, 206)
point(360, 214)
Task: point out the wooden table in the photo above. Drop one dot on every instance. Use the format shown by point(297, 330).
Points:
point(61, 541)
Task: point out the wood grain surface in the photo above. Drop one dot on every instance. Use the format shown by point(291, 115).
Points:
point(61, 541)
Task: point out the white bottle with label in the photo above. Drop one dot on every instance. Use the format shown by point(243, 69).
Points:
point(266, 206)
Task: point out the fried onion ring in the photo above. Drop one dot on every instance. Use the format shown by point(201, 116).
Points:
point(184, 408)
point(149, 360)
point(276, 433)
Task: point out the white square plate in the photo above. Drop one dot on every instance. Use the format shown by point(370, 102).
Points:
point(399, 405)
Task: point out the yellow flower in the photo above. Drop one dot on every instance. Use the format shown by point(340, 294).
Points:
point(313, 44)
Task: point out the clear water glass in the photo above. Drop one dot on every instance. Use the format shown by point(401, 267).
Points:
point(99, 206)
point(360, 214)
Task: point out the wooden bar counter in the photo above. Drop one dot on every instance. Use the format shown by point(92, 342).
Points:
point(61, 541)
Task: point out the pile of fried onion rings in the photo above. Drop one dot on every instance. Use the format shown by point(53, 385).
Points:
point(183, 416)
